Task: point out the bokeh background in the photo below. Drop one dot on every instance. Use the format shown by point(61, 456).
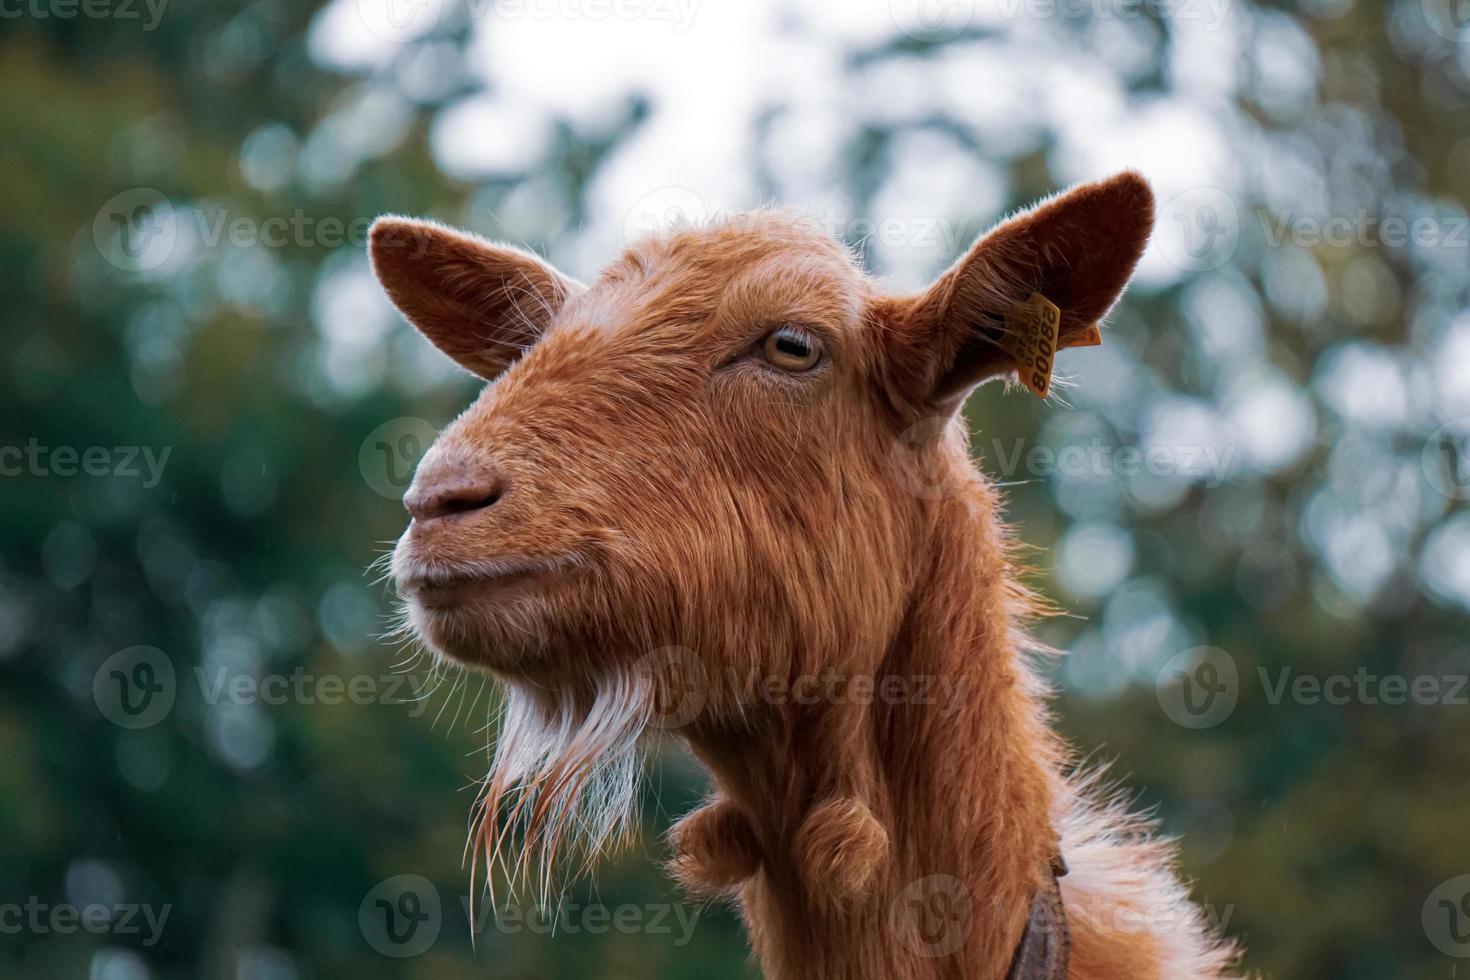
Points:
point(210, 767)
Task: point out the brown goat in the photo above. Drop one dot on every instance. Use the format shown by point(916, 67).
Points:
point(725, 491)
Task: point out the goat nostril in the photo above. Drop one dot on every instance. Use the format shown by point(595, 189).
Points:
point(426, 505)
point(463, 505)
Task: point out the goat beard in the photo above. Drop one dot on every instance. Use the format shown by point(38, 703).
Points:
point(563, 780)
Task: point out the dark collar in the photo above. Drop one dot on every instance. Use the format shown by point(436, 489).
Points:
point(1045, 943)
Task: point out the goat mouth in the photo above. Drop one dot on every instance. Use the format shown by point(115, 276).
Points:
point(439, 587)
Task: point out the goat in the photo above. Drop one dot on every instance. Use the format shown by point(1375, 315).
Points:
point(724, 491)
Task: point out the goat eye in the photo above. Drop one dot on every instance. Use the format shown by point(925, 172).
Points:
point(791, 349)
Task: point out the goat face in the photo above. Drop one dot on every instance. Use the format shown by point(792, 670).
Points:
point(685, 454)
point(719, 446)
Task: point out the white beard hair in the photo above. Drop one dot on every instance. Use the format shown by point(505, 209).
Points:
point(564, 779)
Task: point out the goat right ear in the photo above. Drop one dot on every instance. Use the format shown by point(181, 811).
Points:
point(1060, 266)
point(480, 303)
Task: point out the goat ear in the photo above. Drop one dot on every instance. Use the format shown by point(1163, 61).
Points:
point(480, 303)
point(1077, 250)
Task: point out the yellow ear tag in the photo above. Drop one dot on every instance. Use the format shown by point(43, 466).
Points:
point(1031, 338)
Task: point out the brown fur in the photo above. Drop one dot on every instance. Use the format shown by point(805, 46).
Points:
point(668, 510)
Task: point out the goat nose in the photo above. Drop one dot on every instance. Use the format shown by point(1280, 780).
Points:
point(453, 490)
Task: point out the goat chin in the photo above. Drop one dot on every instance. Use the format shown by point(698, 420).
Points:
point(507, 636)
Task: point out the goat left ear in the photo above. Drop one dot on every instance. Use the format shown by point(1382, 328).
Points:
point(1076, 250)
point(478, 302)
